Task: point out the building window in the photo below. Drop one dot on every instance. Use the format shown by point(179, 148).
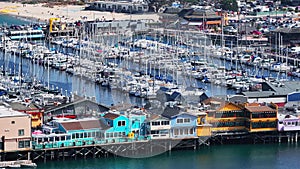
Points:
point(165, 123)
point(24, 144)
point(185, 120)
point(154, 131)
point(155, 123)
point(180, 131)
point(191, 131)
point(176, 132)
point(21, 144)
point(121, 123)
point(21, 132)
point(179, 121)
point(13, 122)
point(27, 144)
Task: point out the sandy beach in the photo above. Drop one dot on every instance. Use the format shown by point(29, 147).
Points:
point(67, 13)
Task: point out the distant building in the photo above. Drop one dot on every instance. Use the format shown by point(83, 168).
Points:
point(110, 26)
point(206, 18)
point(119, 6)
point(79, 106)
point(36, 112)
point(15, 130)
point(290, 36)
point(202, 17)
point(273, 92)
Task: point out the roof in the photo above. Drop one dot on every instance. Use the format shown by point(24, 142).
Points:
point(8, 112)
point(84, 124)
point(111, 116)
point(172, 10)
point(169, 112)
point(121, 107)
point(202, 13)
point(275, 89)
point(287, 30)
point(22, 107)
point(155, 117)
point(258, 94)
point(213, 100)
point(259, 108)
point(77, 100)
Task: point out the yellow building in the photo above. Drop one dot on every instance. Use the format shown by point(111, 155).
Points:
point(261, 118)
point(36, 113)
point(53, 24)
point(225, 116)
point(203, 128)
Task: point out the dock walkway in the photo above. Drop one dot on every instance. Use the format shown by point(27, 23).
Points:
point(17, 164)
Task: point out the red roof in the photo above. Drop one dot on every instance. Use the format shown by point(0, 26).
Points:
point(259, 109)
point(83, 125)
point(111, 116)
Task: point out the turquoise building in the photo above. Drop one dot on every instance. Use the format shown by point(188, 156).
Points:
point(124, 126)
point(72, 132)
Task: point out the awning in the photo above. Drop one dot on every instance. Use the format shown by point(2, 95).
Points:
point(195, 23)
point(213, 22)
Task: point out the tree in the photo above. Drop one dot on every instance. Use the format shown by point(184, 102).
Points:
point(229, 5)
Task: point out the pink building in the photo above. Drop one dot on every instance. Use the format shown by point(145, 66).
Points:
point(15, 130)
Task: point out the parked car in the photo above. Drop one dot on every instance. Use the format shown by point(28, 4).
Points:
point(229, 30)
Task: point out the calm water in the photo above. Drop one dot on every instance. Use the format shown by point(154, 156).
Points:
point(11, 20)
point(271, 156)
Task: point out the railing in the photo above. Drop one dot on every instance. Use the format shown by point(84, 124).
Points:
point(85, 142)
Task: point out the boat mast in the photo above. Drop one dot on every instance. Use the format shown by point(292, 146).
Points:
point(237, 43)
point(222, 38)
point(4, 57)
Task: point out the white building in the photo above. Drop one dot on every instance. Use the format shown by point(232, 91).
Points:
point(119, 6)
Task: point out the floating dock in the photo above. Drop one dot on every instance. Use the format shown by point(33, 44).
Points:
point(17, 164)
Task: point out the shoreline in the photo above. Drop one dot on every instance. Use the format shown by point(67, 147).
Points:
point(67, 13)
point(31, 20)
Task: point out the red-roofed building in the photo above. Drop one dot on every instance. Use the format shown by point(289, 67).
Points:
point(262, 118)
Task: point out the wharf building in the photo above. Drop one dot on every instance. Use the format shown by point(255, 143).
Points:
point(134, 130)
point(289, 36)
point(15, 130)
point(119, 6)
point(116, 26)
point(197, 16)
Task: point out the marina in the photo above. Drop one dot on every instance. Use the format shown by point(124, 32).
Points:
point(94, 90)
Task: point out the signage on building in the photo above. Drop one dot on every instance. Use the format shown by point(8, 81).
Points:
point(293, 97)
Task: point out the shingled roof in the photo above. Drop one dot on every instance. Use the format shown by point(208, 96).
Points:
point(259, 109)
point(111, 116)
point(169, 112)
point(84, 125)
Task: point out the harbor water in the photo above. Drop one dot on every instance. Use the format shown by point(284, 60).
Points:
point(270, 156)
point(11, 20)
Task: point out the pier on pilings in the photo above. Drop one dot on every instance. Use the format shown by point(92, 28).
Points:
point(147, 148)
point(127, 149)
